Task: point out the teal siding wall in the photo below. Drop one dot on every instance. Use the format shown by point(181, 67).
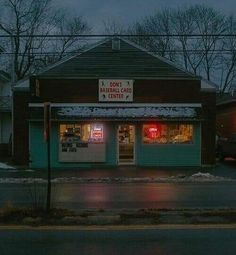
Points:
point(146, 155)
point(37, 146)
point(38, 149)
point(169, 154)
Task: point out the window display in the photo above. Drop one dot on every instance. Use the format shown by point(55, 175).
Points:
point(126, 134)
point(82, 143)
point(74, 136)
point(167, 133)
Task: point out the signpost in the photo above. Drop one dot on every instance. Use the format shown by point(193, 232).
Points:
point(47, 130)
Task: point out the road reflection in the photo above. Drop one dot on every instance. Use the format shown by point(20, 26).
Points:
point(116, 196)
point(165, 195)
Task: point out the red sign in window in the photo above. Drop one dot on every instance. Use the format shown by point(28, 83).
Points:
point(152, 131)
point(96, 134)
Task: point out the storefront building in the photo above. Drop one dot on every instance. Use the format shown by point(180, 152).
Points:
point(225, 116)
point(118, 106)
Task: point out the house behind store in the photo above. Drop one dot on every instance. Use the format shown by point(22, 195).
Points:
point(113, 104)
point(5, 114)
point(226, 115)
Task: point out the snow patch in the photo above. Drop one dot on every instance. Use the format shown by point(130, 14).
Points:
point(5, 166)
point(22, 180)
point(206, 177)
point(203, 175)
point(198, 177)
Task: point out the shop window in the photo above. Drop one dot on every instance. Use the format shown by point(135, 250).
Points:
point(80, 133)
point(167, 133)
point(82, 143)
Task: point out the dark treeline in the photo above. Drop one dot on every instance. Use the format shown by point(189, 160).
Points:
point(213, 57)
point(210, 55)
point(30, 17)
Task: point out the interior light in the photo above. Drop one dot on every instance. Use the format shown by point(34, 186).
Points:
point(153, 131)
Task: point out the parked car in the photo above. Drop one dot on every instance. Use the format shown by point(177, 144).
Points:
point(226, 147)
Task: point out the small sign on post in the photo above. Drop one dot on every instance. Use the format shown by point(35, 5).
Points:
point(47, 129)
point(47, 120)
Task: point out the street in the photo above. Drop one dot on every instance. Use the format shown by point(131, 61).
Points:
point(106, 242)
point(117, 196)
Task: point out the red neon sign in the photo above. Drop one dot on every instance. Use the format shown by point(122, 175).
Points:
point(153, 131)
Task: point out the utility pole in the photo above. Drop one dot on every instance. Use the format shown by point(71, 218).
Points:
point(47, 137)
point(13, 80)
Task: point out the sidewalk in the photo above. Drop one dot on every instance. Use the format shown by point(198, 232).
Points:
point(227, 169)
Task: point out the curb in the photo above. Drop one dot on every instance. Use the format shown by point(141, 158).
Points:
point(118, 228)
point(144, 217)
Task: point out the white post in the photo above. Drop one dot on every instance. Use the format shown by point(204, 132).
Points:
point(13, 79)
point(0, 117)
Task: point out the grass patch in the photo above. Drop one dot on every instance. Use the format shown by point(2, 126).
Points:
point(13, 215)
point(10, 214)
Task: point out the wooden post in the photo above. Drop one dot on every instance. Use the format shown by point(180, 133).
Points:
point(47, 138)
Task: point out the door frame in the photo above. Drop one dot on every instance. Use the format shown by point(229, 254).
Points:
point(118, 148)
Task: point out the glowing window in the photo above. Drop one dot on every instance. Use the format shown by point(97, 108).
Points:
point(167, 133)
point(72, 133)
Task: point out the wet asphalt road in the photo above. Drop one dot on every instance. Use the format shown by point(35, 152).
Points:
point(118, 196)
point(100, 242)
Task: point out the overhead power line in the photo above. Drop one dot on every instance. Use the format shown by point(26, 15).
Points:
point(116, 35)
point(123, 52)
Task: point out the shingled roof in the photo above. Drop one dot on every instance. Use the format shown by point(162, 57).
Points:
point(101, 61)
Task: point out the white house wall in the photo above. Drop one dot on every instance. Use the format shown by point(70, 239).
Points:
point(5, 127)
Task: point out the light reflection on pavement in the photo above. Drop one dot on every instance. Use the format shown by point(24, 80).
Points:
point(118, 196)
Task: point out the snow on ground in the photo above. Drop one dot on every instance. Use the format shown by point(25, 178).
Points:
point(198, 177)
point(5, 166)
point(22, 180)
point(204, 176)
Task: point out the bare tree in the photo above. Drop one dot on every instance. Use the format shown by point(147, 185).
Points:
point(22, 20)
point(158, 24)
point(200, 54)
point(211, 25)
point(70, 26)
point(228, 58)
point(113, 27)
point(183, 24)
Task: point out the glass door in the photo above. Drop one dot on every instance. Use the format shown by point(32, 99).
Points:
point(126, 141)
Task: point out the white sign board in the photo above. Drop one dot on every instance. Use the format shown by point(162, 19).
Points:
point(115, 90)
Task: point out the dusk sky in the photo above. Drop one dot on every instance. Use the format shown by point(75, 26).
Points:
point(128, 11)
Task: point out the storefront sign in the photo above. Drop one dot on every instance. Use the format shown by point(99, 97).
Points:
point(115, 90)
point(96, 132)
